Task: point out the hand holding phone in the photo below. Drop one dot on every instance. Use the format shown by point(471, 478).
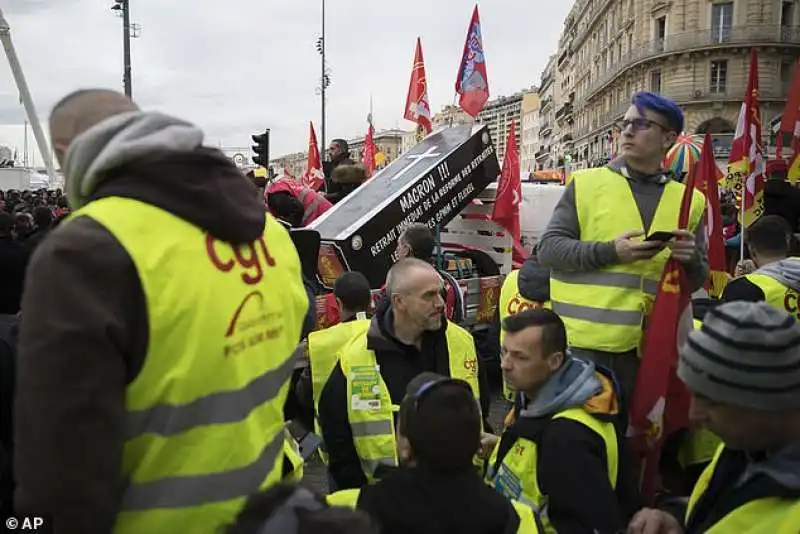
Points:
point(661, 236)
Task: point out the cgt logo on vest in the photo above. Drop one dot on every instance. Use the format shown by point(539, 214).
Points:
point(790, 303)
point(251, 323)
point(471, 365)
point(519, 304)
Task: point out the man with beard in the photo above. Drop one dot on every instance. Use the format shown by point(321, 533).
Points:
point(407, 336)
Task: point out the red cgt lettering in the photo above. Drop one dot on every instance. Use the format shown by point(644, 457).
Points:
point(245, 256)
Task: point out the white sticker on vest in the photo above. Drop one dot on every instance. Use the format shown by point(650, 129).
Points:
point(507, 483)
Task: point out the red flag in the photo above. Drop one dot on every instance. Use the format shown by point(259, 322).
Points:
point(746, 164)
point(417, 107)
point(790, 121)
point(706, 178)
point(660, 405)
point(369, 152)
point(505, 211)
point(313, 177)
point(472, 82)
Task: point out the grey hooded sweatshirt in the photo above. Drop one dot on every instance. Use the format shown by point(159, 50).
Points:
point(84, 331)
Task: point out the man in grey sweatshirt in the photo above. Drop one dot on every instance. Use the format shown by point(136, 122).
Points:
point(650, 128)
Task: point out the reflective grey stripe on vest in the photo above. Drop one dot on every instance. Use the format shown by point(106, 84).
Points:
point(598, 315)
point(217, 408)
point(365, 429)
point(370, 466)
point(197, 490)
point(608, 279)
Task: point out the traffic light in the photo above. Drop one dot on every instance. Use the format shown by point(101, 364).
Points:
point(261, 148)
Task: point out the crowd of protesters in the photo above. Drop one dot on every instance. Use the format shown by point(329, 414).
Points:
point(26, 217)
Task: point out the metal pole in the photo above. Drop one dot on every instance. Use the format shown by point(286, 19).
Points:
point(322, 81)
point(126, 47)
point(25, 94)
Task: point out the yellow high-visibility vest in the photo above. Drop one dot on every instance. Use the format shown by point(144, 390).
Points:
point(776, 294)
point(370, 409)
point(323, 353)
point(605, 309)
point(204, 426)
point(769, 515)
point(527, 519)
point(512, 302)
point(516, 476)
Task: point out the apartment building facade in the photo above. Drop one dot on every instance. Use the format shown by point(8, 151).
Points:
point(694, 51)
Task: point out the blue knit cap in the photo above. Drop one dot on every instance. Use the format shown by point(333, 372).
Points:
point(661, 105)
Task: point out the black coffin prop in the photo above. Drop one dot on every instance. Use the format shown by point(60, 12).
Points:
point(430, 184)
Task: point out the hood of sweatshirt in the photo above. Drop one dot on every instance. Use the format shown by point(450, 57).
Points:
point(782, 467)
point(786, 271)
point(534, 280)
point(572, 385)
point(159, 160)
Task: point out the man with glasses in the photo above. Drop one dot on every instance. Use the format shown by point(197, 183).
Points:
point(611, 235)
point(408, 335)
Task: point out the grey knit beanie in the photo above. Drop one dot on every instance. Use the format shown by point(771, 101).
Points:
point(746, 354)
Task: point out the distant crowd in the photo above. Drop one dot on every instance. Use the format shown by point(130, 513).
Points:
point(26, 217)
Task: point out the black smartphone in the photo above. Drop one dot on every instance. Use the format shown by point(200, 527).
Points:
point(660, 236)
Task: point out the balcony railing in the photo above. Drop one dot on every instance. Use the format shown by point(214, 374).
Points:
point(732, 92)
point(686, 41)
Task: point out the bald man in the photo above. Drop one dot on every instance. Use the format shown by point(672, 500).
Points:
point(408, 335)
point(152, 354)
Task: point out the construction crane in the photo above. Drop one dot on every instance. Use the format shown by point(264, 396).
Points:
point(25, 96)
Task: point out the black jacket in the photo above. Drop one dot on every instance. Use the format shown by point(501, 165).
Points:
point(571, 470)
point(423, 502)
point(336, 191)
point(399, 363)
point(782, 199)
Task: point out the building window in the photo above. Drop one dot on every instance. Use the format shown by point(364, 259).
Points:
point(655, 81)
point(719, 76)
point(721, 22)
point(660, 33)
point(787, 13)
point(786, 75)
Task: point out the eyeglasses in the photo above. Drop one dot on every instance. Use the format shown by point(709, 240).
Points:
point(638, 124)
point(426, 388)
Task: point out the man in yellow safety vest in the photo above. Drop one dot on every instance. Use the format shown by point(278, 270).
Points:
point(563, 452)
point(743, 370)
point(407, 336)
point(322, 347)
point(777, 279)
point(611, 234)
point(158, 331)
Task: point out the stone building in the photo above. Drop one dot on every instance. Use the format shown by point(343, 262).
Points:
point(388, 142)
point(529, 139)
point(694, 51)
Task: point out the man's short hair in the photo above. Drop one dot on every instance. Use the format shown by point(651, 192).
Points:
point(398, 274)
point(442, 421)
point(342, 144)
point(769, 235)
point(662, 105)
point(554, 333)
point(420, 240)
point(352, 288)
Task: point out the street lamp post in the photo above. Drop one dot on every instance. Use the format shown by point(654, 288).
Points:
point(323, 78)
point(124, 7)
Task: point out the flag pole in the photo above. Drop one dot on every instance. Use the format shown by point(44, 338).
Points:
point(741, 218)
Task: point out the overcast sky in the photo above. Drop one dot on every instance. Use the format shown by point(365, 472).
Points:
point(241, 66)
